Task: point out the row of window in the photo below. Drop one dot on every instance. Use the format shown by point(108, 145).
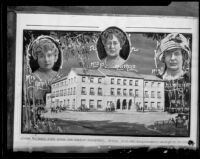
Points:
point(125, 92)
point(112, 91)
point(83, 103)
point(152, 84)
point(119, 82)
point(112, 81)
point(146, 94)
point(63, 103)
point(64, 83)
point(99, 91)
point(91, 79)
point(152, 105)
point(65, 92)
point(92, 103)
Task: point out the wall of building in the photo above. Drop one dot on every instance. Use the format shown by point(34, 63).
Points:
point(72, 99)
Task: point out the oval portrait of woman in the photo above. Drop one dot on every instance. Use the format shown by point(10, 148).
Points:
point(45, 58)
point(113, 47)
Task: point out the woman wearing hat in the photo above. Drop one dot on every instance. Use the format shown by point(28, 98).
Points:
point(174, 52)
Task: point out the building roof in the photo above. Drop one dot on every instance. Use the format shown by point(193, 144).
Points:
point(119, 73)
point(102, 72)
point(151, 77)
point(88, 72)
point(60, 79)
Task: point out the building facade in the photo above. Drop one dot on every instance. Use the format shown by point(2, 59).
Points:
point(102, 88)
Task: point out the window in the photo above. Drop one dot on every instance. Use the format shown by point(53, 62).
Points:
point(71, 92)
point(69, 81)
point(130, 82)
point(68, 91)
point(73, 103)
point(146, 84)
point(74, 92)
point(136, 82)
point(152, 84)
point(118, 81)
point(136, 93)
point(158, 84)
point(74, 79)
point(124, 92)
point(118, 91)
point(91, 104)
point(91, 79)
point(99, 80)
point(83, 79)
point(112, 81)
point(152, 105)
point(124, 81)
point(53, 94)
point(100, 91)
point(65, 91)
point(112, 91)
point(61, 92)
point(83, 91)
point(83, 102)
point(91, 91)
point(130, 92)
point(159, 94)
point(158, 105)
point(99, 106)
point(145, 105)
point(146, 95)
point(152, 94)
point(57, 93)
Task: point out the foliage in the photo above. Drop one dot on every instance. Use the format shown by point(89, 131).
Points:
point(77, 44)
point(160, 36)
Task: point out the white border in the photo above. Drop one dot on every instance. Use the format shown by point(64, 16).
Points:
point(99, 23)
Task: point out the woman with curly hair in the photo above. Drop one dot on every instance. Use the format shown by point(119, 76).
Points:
point(45, 51)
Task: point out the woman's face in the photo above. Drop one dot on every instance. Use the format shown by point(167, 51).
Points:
point(112, 46)
point(174, 59)
point(46, 60)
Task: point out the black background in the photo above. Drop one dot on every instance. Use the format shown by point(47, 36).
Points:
point(8, 30)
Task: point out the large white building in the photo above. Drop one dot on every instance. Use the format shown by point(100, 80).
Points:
point(97, 89)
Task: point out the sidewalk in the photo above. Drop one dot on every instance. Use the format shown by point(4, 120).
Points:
point(147, 118)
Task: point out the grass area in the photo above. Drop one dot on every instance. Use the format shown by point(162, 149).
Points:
point(104, 128)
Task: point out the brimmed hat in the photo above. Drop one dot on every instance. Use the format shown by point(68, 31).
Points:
point(172, 41)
